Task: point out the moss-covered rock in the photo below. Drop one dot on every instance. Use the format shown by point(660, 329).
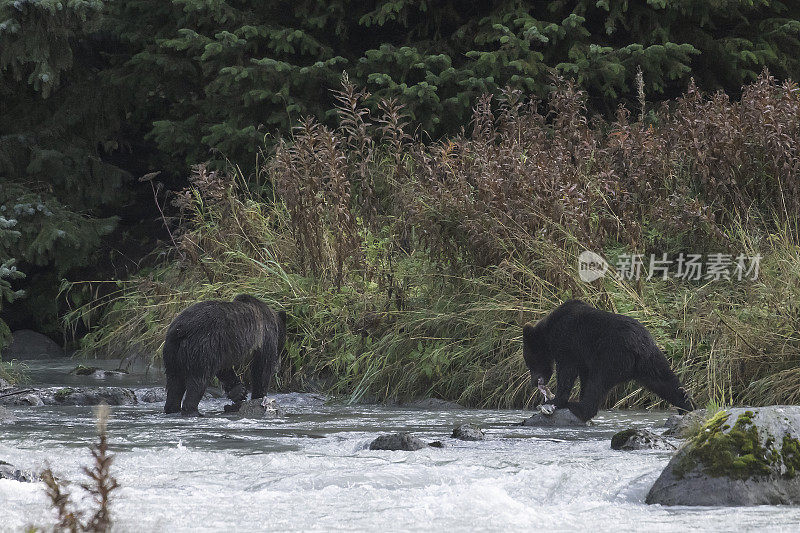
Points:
point(83, 370)
point(739, 457)
point(62, 394)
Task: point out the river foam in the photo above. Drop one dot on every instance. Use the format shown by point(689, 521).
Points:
point(312, 471)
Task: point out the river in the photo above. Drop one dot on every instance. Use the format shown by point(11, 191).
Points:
point(311, 470)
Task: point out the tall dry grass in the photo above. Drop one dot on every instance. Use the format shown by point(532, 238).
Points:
point(408, 267)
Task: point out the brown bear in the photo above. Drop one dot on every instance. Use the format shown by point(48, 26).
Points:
point(215, 337)
point(602, 349)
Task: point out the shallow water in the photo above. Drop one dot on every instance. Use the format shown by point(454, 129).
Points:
point(311, 471)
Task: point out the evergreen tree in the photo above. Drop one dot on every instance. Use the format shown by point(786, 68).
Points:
point(96, 92)
point(57, 123)
point(223, 76)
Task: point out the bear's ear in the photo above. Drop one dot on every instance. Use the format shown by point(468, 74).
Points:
point(282, 316)
point(528, 332)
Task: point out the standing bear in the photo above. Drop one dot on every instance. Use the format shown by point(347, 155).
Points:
point(212, 339)
point(603, 350)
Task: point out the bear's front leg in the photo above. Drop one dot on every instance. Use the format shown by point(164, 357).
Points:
point(593, 392)
point(233, 387)
point(565, 379)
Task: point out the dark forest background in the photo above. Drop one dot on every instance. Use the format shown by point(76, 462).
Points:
point(96, 94)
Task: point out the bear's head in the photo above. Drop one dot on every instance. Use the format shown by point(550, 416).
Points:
point(535, 352)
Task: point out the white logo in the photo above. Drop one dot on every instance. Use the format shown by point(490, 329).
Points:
point(591, 266)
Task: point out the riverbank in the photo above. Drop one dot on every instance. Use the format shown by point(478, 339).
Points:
point(407, 268)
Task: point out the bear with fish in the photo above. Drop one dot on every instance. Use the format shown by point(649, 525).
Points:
point(246, 337)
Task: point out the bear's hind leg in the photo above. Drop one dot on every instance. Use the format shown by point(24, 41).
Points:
point(195, 388)
point(176, 386)
point(669, 388)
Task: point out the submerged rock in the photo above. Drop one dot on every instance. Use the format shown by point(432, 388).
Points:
point(740, 457)
point(151, 395)
point(468, 432)
point(71, 396)
point(96, 372)
point(28, 345)
point(6, 416)
point(432, 404)
point(257, 408)
point(397, 441)
point(20, 397)
point(687, 425)
point(559, 418)
point(8, 471)
point(639, 439)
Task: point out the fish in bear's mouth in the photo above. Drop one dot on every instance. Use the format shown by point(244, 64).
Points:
point(542, 386)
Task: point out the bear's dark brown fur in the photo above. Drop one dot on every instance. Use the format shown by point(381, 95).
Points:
point(215, 337)
point(602, 349)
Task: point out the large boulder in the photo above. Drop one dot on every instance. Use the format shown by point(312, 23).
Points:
point(28, 345)
point(559, 418)
point(639, 439)
point(740, 457)
point(468, 432)
point(398, 441)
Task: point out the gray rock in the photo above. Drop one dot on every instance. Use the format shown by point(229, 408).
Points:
point(6, 416)
point(397, 441)
point(432, 404)
point(86, 396)
point(639, 439)
point(16, 397)
point(151, 395)
point(27, 345)
point(105, 374)
point(97, 373)
point(559, 418)
point(468, 432)
point(4, 384)
point(685, 426)
point(742, 456)
point(8, 471)
point(259, 408)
